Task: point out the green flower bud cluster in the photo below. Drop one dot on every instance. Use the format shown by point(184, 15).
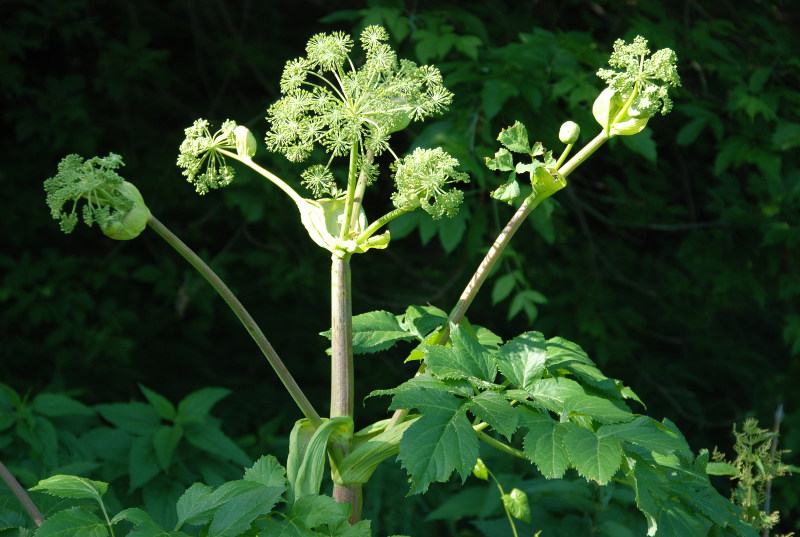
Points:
point(421, 178)
point(329, 102)
point(201, 157)
point(637, 87)
point(110, 201)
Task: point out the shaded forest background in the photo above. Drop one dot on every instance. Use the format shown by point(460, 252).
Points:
point(672, 258)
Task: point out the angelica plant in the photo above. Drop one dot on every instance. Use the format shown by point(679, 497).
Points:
point(471, 386)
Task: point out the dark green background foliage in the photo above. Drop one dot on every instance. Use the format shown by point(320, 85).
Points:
point(672, 257)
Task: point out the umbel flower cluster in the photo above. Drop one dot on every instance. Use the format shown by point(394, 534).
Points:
point(108, 200)
point(637, 87)
point(329, 102)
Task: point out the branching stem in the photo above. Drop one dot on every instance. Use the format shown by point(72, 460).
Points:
point(244, 317)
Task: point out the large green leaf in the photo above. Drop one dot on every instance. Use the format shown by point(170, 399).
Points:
point(134, 417)
point(647, 433)
point(439, 442)
point(235, 515)
point(521, 360)
point(192, 506)
point(199, 504)
point(267, 471)
point(162, 405)
point(467, 358)
point(143, 462)
point(422, 320)
point(165, 440)
point(376, 331)
point(55, 404)
point(210, 439)
point(194, 408)
point(544, 442)
point(594, 457)
point(566, 397)
point(70, 486)
point(495, 410)
point(312, 511)
point(74, 522)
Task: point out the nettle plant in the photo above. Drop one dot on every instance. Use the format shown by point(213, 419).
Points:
point(541, 400)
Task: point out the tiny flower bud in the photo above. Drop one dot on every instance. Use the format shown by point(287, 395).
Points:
point(569, 132)
point(481, 471)
point(245, 142)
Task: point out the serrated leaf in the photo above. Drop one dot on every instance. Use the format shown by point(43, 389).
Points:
point(134, 515)
point(71, 486)
point(517, 504)
point(165, 441)
point(74, 522)
point(509, 191)
point(522, 359)
point(163, 406)
point(530, 167)
point(565, 397)
point(503, 161)
point(467, 358)
point(198, 506)
point(595, 458)
point(235, 515)
point(377, 331)
point(193, 503)
point(544, 443)
point(211, 440)
point(267, 471)
point(645, 432)
point(135, 417)
point(515, 138)
point(422, 320)
point(495, 410)
point(194, 408)
point(438, 443)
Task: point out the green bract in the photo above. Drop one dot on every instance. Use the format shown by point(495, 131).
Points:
point(115, 204)
point(421, 178)
point(328, 101)
point(637, 87)
point(203, 164)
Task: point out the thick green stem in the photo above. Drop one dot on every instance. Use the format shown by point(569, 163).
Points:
point(342, 378)
point(244, 317)
point(21, 495)
point(342, 369)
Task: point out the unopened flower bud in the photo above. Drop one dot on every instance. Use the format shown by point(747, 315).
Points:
point(569, 132)
point(133, 222)
point(245, 142)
